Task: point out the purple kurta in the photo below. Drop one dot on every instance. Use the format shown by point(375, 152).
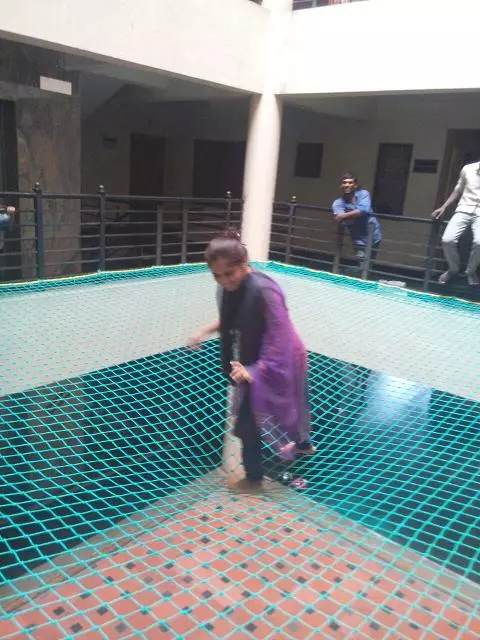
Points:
point(278, 391)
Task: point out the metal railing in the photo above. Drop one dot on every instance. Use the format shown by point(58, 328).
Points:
point(310, 4)
point(55, 235)
point(410, 249)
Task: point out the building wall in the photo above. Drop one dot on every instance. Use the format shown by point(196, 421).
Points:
point(350, 144)
point(179, 123)
point(48, 148)
point(383, 45)
point(215, 41)
point(390, 45)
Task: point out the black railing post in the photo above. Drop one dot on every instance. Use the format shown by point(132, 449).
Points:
point(429, 260)
point(184, 232)
point(338, 248)
point(102, 208)
point(39, 230)
point(229, 209)
point(365, 267)
point(159, 236)
point(292, 209)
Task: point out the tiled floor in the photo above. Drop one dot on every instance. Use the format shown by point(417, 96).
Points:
point(239, 566)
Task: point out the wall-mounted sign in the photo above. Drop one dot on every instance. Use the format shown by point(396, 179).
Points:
point(109, 143)
point(425, 166)
point(55, 85)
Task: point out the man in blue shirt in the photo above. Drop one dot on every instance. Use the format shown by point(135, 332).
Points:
point(354, 211)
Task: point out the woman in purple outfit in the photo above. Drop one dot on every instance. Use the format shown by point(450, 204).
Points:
point(269, 370)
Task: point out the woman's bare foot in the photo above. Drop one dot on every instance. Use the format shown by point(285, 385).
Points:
point(246, 486)
point(306, 452)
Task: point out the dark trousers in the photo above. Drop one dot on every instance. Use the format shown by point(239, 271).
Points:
point(361, 250)
point(252, 459)
point(247, 430)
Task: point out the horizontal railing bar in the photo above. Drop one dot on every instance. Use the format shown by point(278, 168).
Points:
point(112, 247)
point(167, 199)
point(73, 249)
point(129, 235)
point(77, 262)
point(17, 194)
point(18, 226)
point(127, 258)
point(384, 216)
point(46, 195)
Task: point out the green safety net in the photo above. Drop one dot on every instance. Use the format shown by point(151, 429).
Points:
point(117, 520)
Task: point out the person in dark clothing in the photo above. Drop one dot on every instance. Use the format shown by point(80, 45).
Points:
point(262, 355)
point(5, 214)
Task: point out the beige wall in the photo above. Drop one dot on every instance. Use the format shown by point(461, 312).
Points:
point(48, 151)
point(374, 46)
point(350, 144)
point(217, 41)
point(179, 123)
point(383, 45)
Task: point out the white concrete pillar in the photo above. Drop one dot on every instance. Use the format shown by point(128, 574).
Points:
point(260, 175)
point(263, 141)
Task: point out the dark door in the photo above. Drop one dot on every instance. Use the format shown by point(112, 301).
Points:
point(463, 147)
point(147, 169)
point(147, 165)
point(391, 179)
point(11, 258)
point(218, 168)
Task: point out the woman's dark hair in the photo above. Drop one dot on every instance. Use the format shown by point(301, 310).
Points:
point(227, 246)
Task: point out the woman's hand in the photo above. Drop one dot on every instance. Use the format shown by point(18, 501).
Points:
point(195, 341)
point(239, 373)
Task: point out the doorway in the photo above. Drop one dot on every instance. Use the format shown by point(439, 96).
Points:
point(391, 178)
point(11, 259)
point(147, 170)
point(218, 168)
point(147, 165)
point(463, 147)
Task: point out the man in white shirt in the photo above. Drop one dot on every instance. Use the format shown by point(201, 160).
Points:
point(467, 214)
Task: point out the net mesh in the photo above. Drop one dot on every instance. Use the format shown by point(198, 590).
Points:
point(116, 445)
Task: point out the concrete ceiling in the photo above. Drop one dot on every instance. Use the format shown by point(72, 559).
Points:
point(101, 81)
point(377, 106)
point(359, 107)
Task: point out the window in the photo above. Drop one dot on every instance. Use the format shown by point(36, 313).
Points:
point(308, 162)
